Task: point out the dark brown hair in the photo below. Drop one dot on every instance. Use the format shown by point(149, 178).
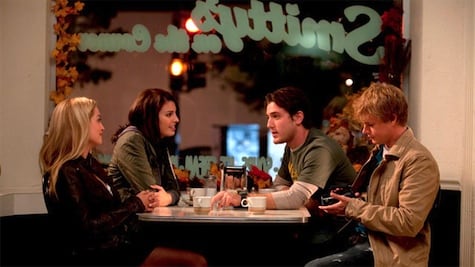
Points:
point(292, 100)
point(143, 113)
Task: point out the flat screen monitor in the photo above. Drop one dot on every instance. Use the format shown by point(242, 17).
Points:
point(274, 151)
point(242, 140)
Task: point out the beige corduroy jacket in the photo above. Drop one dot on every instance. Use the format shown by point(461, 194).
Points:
point(401, 194)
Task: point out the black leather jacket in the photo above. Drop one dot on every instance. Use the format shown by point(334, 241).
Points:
point(87, 215)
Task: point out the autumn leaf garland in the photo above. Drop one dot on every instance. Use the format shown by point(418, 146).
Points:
point(66, 43)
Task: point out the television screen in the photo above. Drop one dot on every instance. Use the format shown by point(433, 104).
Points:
point(274, 151)
point(242, 140)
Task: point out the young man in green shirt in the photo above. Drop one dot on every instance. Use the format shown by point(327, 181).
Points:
point(312, 162)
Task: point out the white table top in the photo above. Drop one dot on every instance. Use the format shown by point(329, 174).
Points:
point(187, 214)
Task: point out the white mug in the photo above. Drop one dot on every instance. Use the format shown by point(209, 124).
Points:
point(210, 191)
point(197, 192)
point(202, 204)
point(256, 205)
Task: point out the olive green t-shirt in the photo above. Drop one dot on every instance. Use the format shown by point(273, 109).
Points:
point(320, 161)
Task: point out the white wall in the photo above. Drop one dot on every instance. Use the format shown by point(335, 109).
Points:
point(24, 82)
point(439, 82)
point(441, 99)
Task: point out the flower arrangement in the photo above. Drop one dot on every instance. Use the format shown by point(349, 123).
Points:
point(397, 51)
point(346, 130)
point(66, 43)
point(260, 178)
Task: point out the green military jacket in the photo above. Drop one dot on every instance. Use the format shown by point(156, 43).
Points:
point(135, 165)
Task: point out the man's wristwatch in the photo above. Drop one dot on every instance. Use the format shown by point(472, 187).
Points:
point(243, 194)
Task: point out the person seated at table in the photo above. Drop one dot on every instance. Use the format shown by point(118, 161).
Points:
point(140, 156)
point(312, 163)
point(401, 181)
point(94, 227)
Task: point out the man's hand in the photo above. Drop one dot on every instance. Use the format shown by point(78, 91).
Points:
point(337, 208)
point(226, 199)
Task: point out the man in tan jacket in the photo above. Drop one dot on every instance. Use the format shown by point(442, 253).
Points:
point(397, 187)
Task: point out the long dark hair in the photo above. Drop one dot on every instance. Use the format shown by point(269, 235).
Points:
point(292, 99)
point(143, 114)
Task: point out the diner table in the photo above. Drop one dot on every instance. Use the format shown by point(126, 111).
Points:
point(230, 236)
point(229, 215)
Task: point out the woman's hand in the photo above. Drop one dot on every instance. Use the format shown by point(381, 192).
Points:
point(226, 199)
point(162, 197)
point(147, 199)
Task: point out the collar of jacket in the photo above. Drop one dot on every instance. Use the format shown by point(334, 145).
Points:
point(396, 151)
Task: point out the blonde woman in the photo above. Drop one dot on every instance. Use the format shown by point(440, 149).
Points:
point(95, 226)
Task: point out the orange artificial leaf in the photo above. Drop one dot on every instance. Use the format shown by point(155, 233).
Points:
point(75, 39)
point(61, 82)
point(66, 74)
point(57, 27)
point(78, 6)
point(61, 57)
point(56, 96)
point(74, 73)
point(54, 53)
point(61, 71)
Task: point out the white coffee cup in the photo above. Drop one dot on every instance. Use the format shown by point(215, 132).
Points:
point(256, 205)
point(210, 191)
point(202, 204)
point(197, 192)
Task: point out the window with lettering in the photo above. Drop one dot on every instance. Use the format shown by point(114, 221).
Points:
point(240, 51)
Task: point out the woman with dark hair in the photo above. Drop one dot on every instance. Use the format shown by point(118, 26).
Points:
point(141, 157)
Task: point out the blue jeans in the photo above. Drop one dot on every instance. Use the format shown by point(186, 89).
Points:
point(360, 254)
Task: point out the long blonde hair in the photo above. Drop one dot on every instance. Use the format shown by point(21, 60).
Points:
point(67, 136)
